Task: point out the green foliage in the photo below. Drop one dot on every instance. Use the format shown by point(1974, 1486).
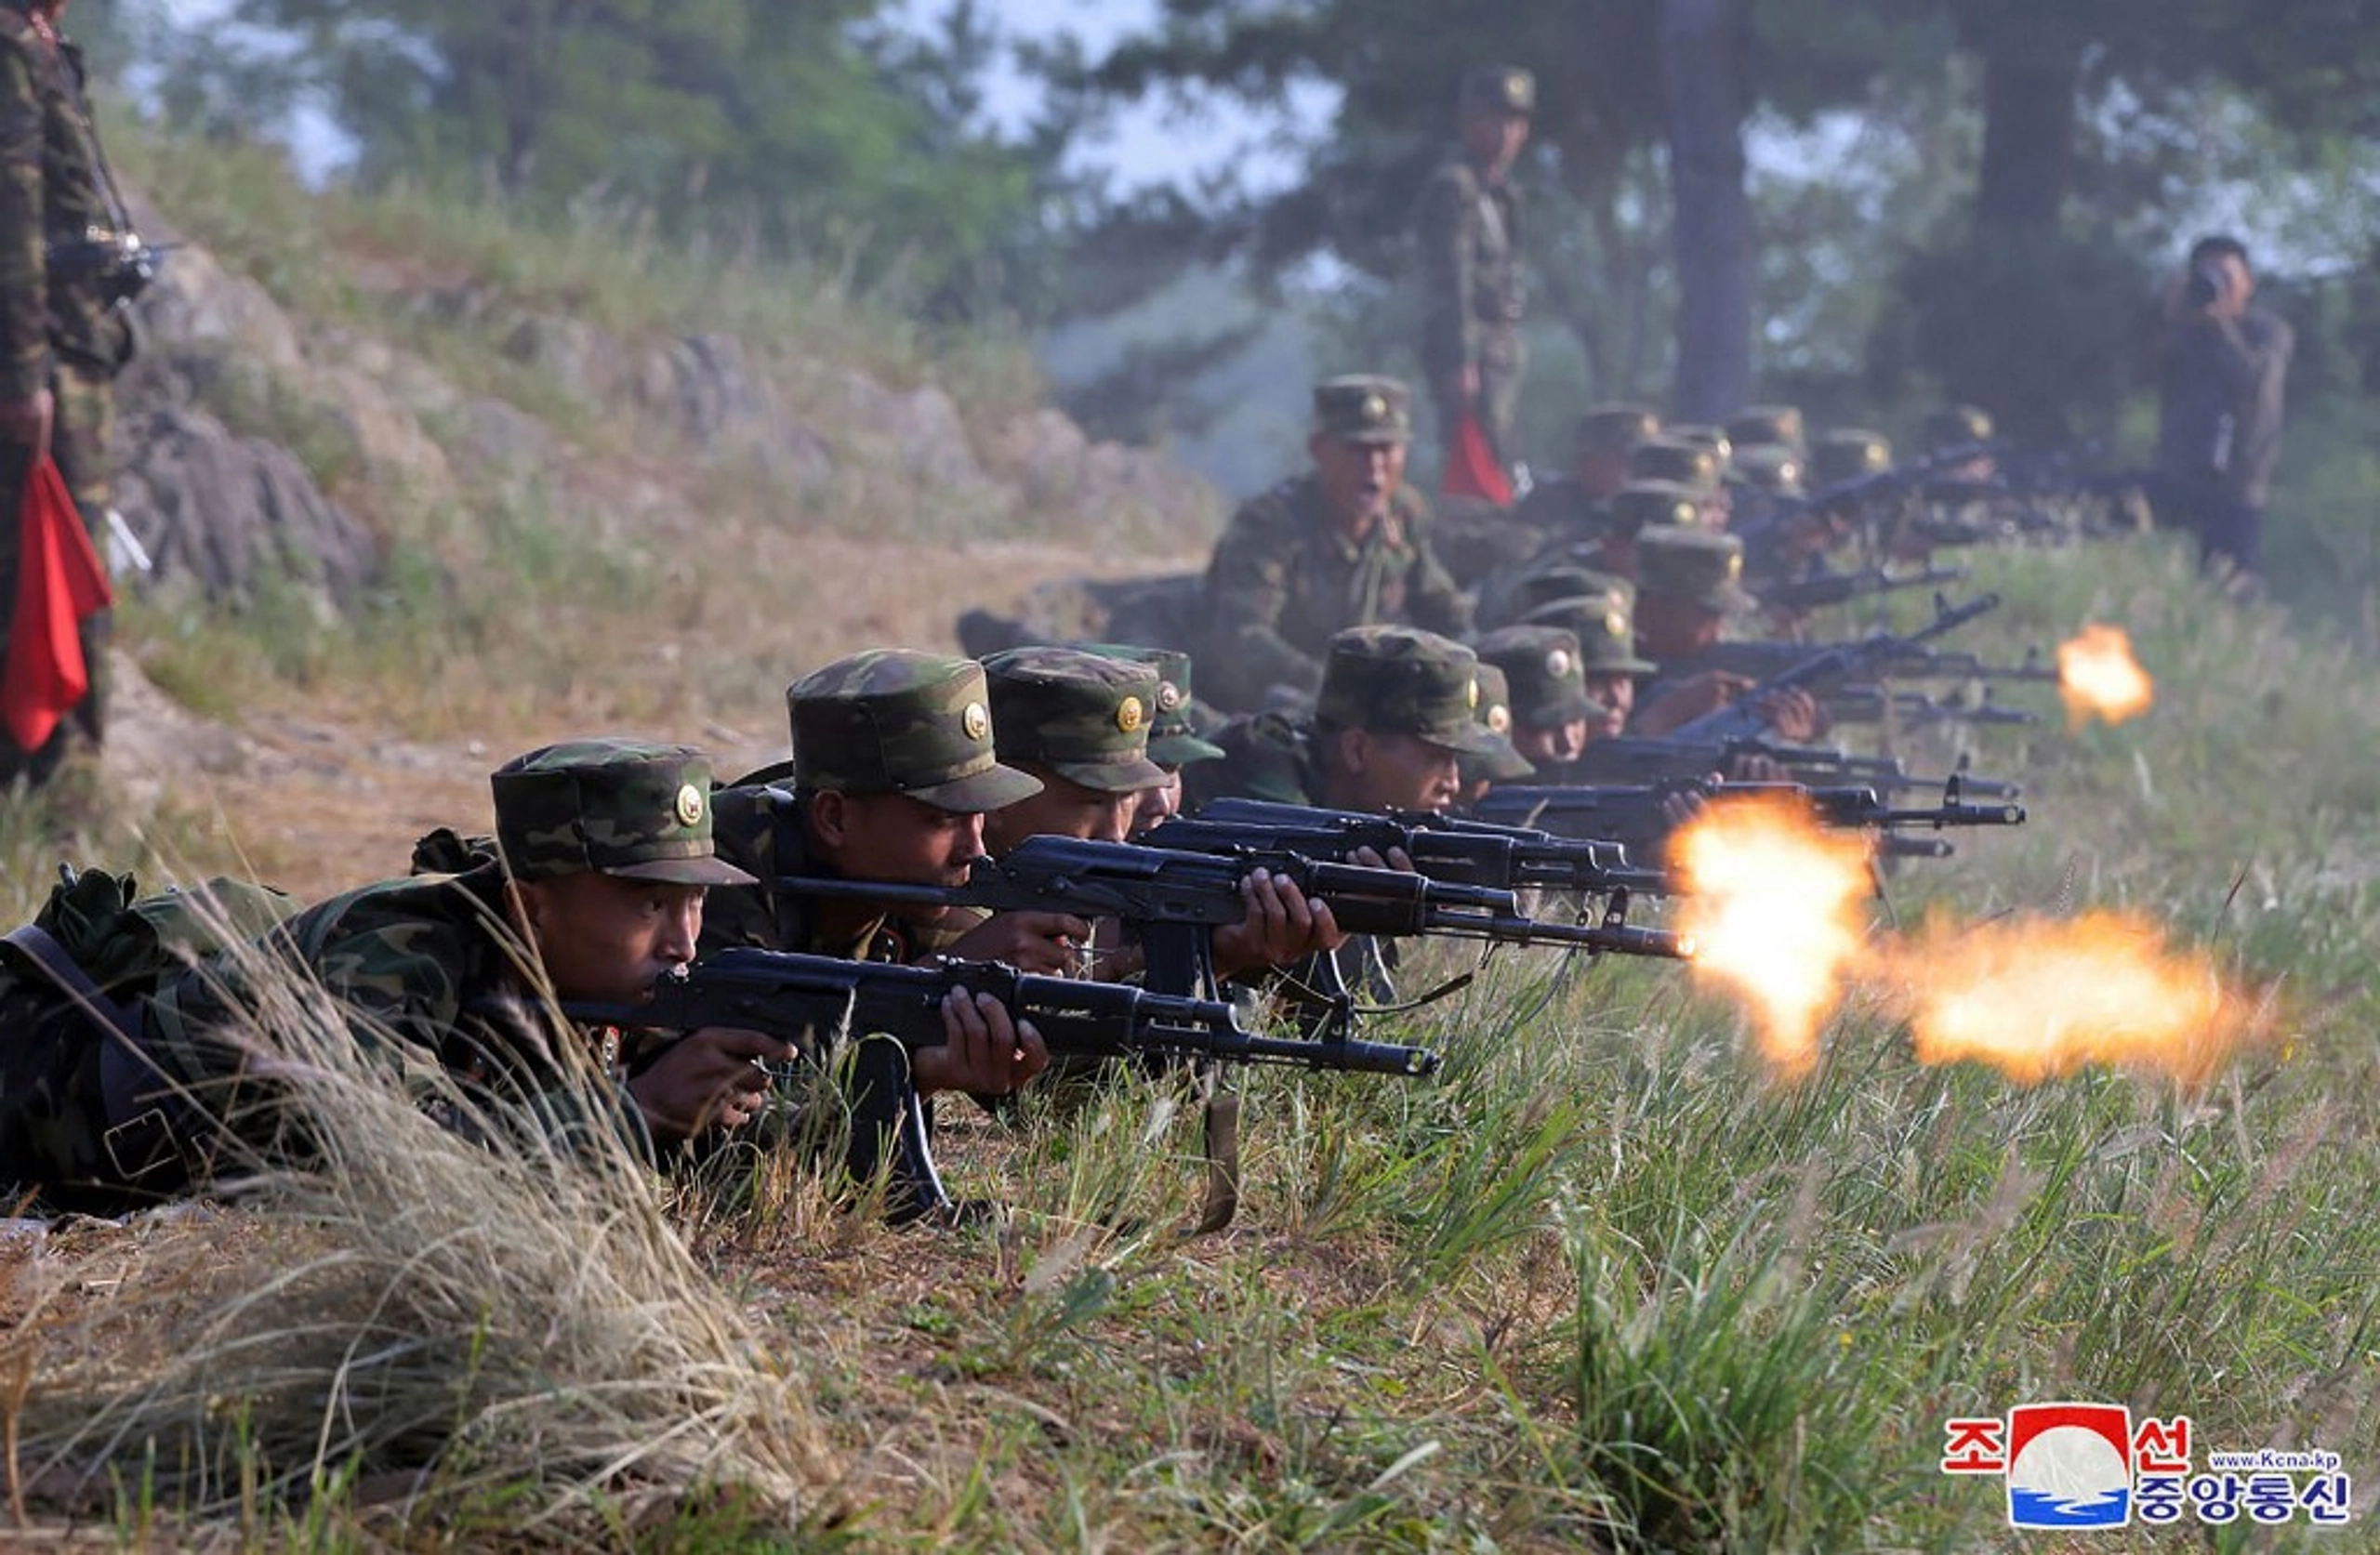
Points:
point(806, 129)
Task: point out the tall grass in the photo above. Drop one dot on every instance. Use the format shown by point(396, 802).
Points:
point(497, 1327)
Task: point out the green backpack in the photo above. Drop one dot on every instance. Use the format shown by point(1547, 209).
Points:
point(72, 984)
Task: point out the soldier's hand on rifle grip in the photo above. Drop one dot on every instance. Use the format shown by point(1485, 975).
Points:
point(1033, 941)
point(1794, 714)
point(1396, 859)
point(1283, 926)
point(707, 1079)
point(985, 1052)
point(1688, 700)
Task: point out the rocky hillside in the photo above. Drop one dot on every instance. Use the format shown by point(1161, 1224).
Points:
point(368, 470)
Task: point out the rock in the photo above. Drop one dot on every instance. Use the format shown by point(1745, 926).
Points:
point(502, 434)
point(587, 364)
point(702, 386)
point(196, 302)
point(923, 425)
point(223, 510)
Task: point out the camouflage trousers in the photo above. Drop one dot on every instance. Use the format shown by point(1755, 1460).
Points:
point(86, 421)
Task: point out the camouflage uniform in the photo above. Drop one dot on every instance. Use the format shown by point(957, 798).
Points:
point(1699, 565)
point(1388, 679)
point(1468, 232)
point(429, 969)
point(1284, 578)
point(57, 328)
point(882, 721)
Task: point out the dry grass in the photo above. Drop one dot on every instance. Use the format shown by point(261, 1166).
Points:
point(412, 1327)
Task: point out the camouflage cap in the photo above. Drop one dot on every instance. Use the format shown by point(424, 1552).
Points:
point(1676, 460)
point(1499, 89)
point(1402, 680)
point(1848, 453)
point(1545, 671)
point(1701, 566)
point(1640, 504)
point(1078, 715)
point(1604, 627)
point(1363, 407)
point(616, 807)
point(1494, 713)
point(1554, 578)
point(1755, 425)
point(1769, 467)
point(890, 720)
point(1704, 435)
point(1616, 429)
point(1953, 425)
point(1173, 740)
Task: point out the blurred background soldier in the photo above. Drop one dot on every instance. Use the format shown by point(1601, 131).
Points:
point(1345, 544)
point(2223, 365)
point(1468, 228)
point(65, 267)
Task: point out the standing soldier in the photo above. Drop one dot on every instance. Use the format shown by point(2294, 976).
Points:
point(1468, 227)
point(68, 257)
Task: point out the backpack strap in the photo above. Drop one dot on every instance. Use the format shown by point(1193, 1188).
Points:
point(48, 955)
point(141, 1138)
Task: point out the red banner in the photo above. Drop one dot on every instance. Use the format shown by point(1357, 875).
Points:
point(60, 582)
point(1471, 469)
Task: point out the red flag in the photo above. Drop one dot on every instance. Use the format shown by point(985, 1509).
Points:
point(60, 582)
point(1471, 469)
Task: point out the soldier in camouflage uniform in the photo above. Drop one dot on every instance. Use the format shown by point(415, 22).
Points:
point(1494, 713)
point(1687, 593)
point(61, 339)
point(893, 770)
point(1578, 506)
point(1394, 713)
point(1467, 226)
point(594, 889)
point(1699, 468)
point(1174, 741)
point(1604, 626)
point(1553, 716)
point(1347, 544)
point(1081, 724)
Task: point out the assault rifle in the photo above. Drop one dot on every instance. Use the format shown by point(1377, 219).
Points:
point(792, 996)
point(1469, 849)
point(1634, 815)
point(1763, 660)
point(1916, 710)
point(1632, 758)
point(823, 998)
point(1176, 899)
point(1822, 670)
point(1817, 589)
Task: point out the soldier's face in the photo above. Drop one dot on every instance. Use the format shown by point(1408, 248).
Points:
point(1359, 479)
point(1393, 772)
point(1602, 471)
point(607, 939)
point(1064, 808)
point(1495, 138)
point(1545, 744)
point(1154, 807)
point(898, 840)
point(1617, 692)
point(1669, 627)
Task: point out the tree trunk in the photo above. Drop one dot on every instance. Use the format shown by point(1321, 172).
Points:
point(1702, 70)
point(2028, 110)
